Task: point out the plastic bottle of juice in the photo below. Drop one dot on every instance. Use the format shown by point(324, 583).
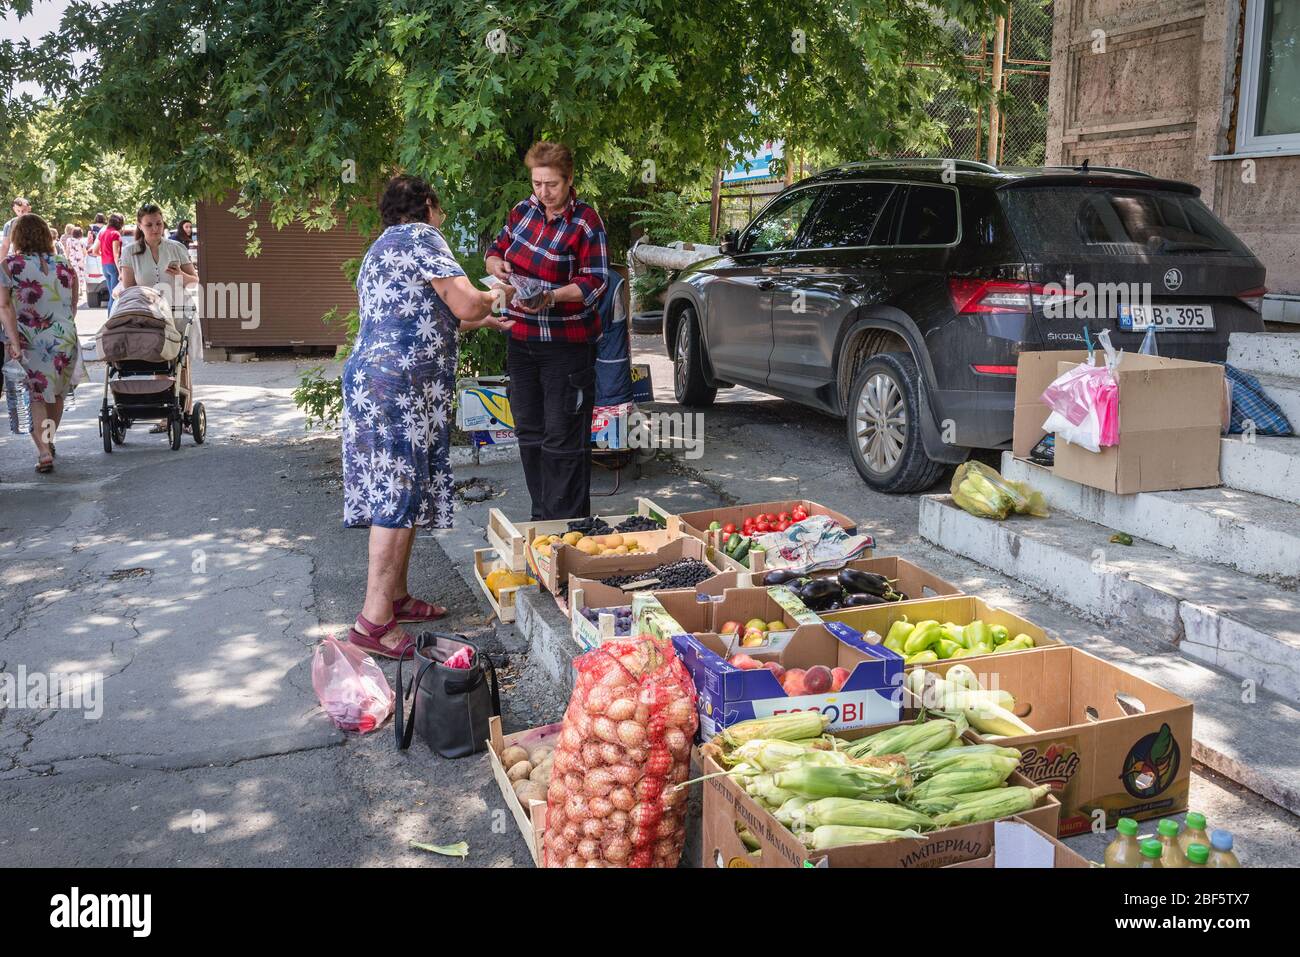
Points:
point(1151, 851)
point(1195, 832)
point(1197, 855)
point(1221, 854)
point(1124, 851)
point(1173, 852)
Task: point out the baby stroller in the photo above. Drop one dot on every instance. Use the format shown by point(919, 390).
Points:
point(145, 355)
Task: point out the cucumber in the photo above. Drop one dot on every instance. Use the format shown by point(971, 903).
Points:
point(732, 543)
point(741, 550)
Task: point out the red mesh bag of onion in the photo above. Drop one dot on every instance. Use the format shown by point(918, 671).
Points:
point(624, 747)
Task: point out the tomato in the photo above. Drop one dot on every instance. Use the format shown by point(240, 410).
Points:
point(782, 526)
point(799, 514)
point(783, 517)
point(729, 528)
point(763, 527)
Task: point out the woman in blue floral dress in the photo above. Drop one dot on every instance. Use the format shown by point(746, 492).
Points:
point(38, 309)
point(398, 388)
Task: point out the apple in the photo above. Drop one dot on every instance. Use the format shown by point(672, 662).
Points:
point(776, 626)
point(753, 638)
point(818, 679)
point(756, 624)
point(838, 677)
point(777, 670)
point(730, 628)
point(793, 683)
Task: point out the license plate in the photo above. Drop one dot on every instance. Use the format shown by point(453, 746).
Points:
point(1167, 318)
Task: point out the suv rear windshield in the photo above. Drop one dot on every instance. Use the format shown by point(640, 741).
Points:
point(1073, 220)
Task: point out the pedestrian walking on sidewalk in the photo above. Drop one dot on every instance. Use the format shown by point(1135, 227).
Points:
point(110, 248)
point(21, 207)
point(554, 237)
point(38, 309)
point(398, 386)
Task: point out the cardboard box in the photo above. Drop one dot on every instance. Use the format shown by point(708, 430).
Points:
point(1104, 739)
point(1019, 844)
point(1035, 371)
point(586, 594)
point(697, 523)
point(727, 807)
point(909, 579)
point(486, 561)
point(569, 563)
point(771, 604)
point(643, 389)
point(531, 819)
point(727, 695)
point(959, 609)
point(483, 404)
point(663, 614)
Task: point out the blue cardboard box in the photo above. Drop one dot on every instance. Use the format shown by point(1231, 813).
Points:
point(871, 695)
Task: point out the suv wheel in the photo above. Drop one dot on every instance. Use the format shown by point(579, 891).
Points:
point(884, 407)
point(689, 385)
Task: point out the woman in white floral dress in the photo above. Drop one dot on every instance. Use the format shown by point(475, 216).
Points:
point(398, 386)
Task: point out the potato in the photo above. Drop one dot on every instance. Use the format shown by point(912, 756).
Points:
point(513, 755)
point(520, 770)
point(529, 791)
point(540, 754)
point(541, 774)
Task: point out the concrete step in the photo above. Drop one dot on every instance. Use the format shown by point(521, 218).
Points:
point(1243, 530)
point(1247, 738)
point(1285, 391)
point(1273, 353)
point(1247, 627)
point(1269, 465)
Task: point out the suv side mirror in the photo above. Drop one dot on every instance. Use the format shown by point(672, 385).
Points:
point(730, 241)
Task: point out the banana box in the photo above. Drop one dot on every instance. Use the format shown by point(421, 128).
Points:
point(1109, 743)
point(482, 405)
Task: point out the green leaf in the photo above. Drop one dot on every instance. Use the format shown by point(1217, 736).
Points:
point(460, 849)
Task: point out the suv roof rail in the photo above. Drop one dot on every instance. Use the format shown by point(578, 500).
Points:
point(966, 164)
point(1085, 168)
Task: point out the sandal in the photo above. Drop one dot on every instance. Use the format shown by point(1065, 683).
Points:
point(368, 636)
point(45, 465)
point(410, 609)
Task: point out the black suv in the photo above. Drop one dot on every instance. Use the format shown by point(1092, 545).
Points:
point(898, 294)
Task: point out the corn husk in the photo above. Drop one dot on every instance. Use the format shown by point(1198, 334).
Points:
point(1007, 801)
point(1007, 763)
point(908, 739)
point(815, 781)
point(837, 835)
point(958, 782)
point(785, 727)
point(855, 813)
point(948, 802)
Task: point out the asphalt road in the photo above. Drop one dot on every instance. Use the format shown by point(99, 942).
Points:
point(197, 582)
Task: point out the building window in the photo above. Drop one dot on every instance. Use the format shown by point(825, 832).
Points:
point(1268, 115)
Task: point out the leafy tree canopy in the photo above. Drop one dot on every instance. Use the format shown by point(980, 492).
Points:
point(310, 104)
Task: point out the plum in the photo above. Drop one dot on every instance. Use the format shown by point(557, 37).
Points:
point(818, 679)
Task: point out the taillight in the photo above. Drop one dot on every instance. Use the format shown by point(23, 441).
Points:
point(1254, 298)
point(975, 296)
point(994, 370)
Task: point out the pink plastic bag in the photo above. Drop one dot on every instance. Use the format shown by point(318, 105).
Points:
point(1085, 407)
point(351, 688)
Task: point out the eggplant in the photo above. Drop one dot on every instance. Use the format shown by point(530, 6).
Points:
point(862, 583)
point(780, 576)
point(855, 601)
point(819, 590)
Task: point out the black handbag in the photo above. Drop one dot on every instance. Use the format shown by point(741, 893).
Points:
point(450, 707)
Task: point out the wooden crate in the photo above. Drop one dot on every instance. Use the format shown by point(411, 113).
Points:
point(486, 561)
point(532, 819)
point(511, 539)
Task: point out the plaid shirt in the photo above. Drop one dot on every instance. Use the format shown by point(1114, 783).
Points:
point(568, 249)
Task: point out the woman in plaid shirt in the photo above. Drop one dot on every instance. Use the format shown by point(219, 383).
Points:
point(554, 237)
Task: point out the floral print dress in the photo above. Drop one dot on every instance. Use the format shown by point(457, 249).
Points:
point(399, 383)
point(40, 291)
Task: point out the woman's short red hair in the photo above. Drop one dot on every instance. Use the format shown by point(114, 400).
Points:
point(555, 155)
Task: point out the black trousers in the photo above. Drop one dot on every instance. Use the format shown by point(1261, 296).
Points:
point(552, 392)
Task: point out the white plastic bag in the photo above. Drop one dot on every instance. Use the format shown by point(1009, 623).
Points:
point(351, 688)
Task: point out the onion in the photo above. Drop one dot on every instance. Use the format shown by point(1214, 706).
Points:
point(598, 700)
point(677, 741)
point(680, 773)
point(564, 761)
point(573, 860)
point(559, 849)
point(625, 774)
point(591, 755)
point(574, 782)
point(570, 833)
point(648, 789)
point(598, 783)
point(631, 734)
point(593, 827)
point(605, 729)
point(575, 808)
point(599, 807)
point(570, 739)
point(658, 764)
point(588, 849)
point(556, 792)
point(642, 715)
point(622, 799)
point(679, 712)
point(645, 815)
point(583, 723)
point(617, 822)
point(611, 753)
point(666, 827)
point(621, 709)
point(594, 864)
point(616, 850)
point(615, 678)
point(641, 836)
point(635, 756)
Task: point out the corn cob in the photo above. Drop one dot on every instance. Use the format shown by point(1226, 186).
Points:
point(764, 789)
point(748, 839)
point(957, 782)
point(909, 739)
point(772, 754)
point(836, 835)
point(1008, 801)
point(950, 802)
point(854, 782)
point(785, 727)
point(786, 812)
point(852, 813)
point(968, 762)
